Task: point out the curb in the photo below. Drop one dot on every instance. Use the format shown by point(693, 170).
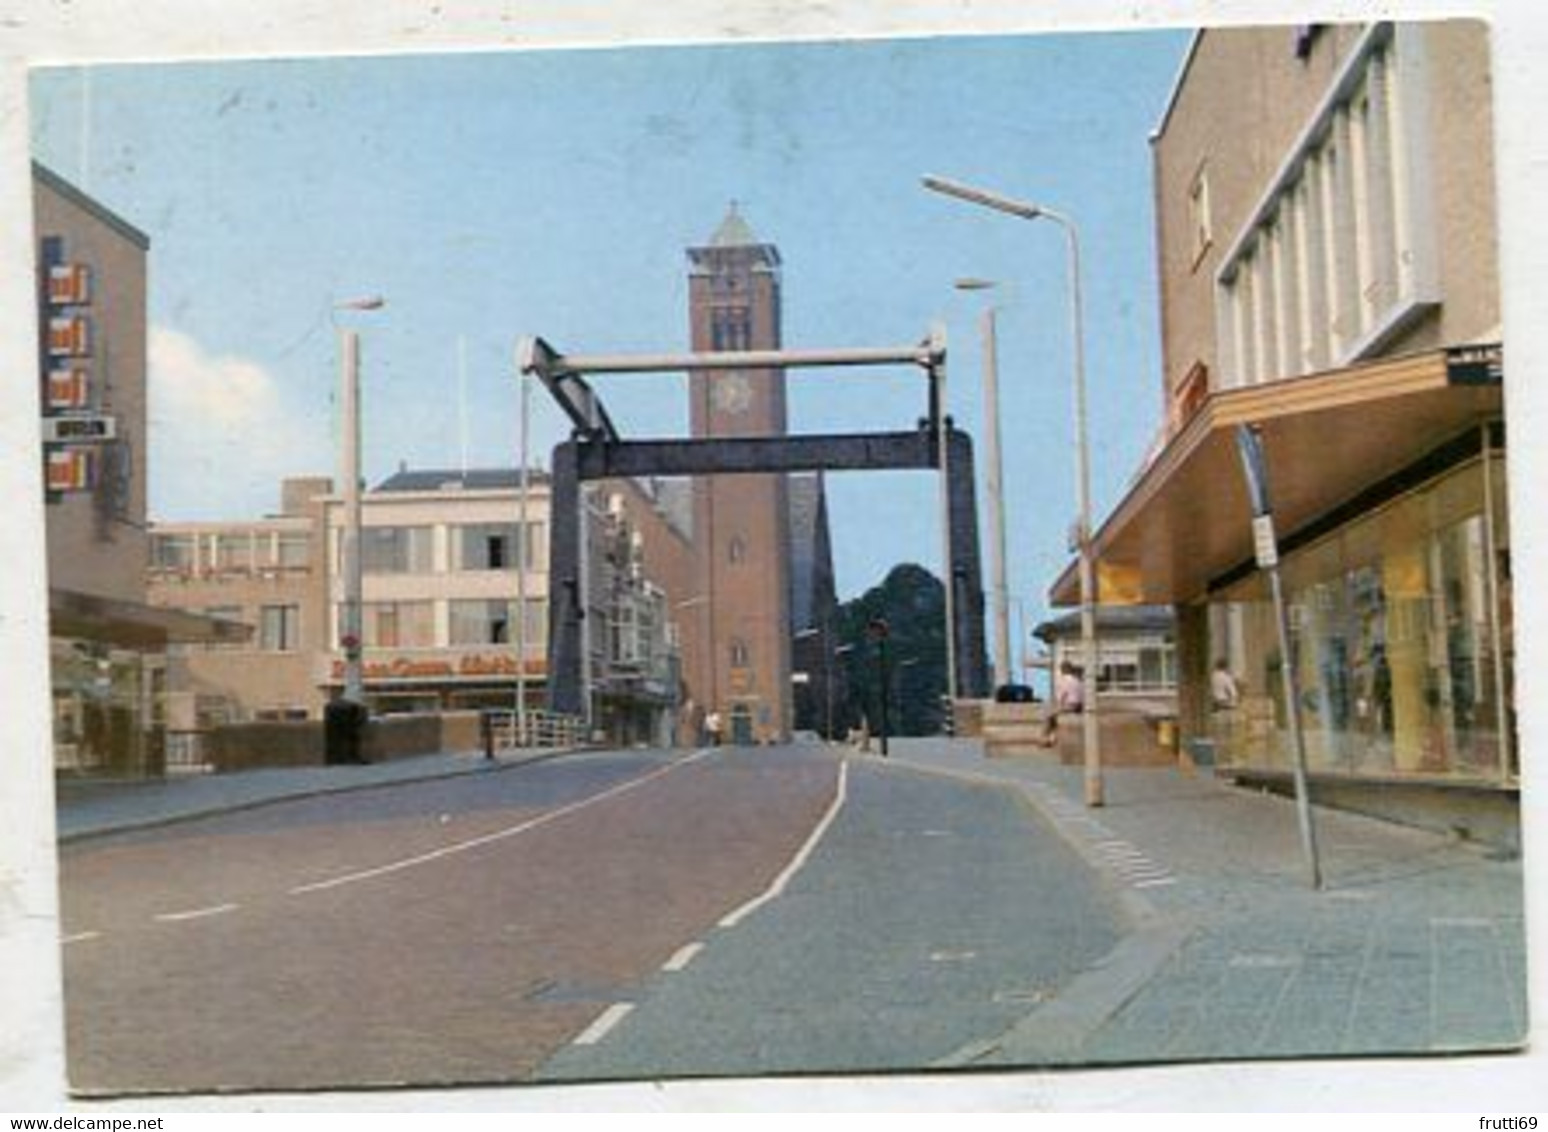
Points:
point(132, 825)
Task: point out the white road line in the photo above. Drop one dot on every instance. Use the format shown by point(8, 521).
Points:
point(497, 835)
point(195, 913)
point(733, 918)
point(1154, 883)
point(79, 937)
point(682, 957)
point(605, 1021)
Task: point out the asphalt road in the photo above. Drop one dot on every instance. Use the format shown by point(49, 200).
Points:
point(617, 914)
point(933, 915)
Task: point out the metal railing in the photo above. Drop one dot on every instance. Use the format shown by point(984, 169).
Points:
point(186, 752)
point(536, 729)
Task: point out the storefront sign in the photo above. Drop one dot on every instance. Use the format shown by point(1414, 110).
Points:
point(85, 427)
point(470, 667)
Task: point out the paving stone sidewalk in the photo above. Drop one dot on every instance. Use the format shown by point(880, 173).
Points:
point(92, 807)
point(1415, 943)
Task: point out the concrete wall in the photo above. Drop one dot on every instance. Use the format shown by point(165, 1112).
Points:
point(248, 746)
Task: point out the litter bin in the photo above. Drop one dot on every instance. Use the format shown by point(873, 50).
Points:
point(344, 723)
point(1202, 752)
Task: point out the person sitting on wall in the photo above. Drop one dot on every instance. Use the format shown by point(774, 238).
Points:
point(1069, 697)
point(1224, 692)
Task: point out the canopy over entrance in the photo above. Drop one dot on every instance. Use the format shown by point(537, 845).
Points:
point(1328, 437)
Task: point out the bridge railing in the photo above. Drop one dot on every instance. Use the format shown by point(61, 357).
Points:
point(510, 730)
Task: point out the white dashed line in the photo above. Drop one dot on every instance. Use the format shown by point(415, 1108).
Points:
point(79, 937)
point(497, 835)
point(733, 918)
point(605, 1021)
point(195, 913)
point(682, 957)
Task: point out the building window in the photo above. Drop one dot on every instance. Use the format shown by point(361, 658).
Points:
point(736, 552)
point(233, 551)
point(490, 546)
point(293, 550)
point(481, 622)
point(174, 553)
point(279, 628)
point(738, 654)
point(1199, 216)
point(1340, 253)
point(395, 550)
point(1398, 638)
point(398, 624)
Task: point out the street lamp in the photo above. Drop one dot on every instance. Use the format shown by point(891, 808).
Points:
point(994, 476)
point(1029, 211)
point(350, 635)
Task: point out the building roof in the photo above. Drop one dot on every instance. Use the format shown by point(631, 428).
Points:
point(734, 231)
point(1184, 527)
point(96, 208)
point(473, 479)
point(1110, 619)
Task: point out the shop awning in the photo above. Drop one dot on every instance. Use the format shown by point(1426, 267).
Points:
point(131, 625)
point(1328, 437)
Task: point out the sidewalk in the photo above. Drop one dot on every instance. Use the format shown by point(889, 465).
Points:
point(92, 807)
point(1415, 943)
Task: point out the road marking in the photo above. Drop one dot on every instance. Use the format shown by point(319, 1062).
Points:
point(682, 957)
point(497, 835)
point(79, 937)
point(732, 919)
point(195, 913)
point(1154, 883)
point(604, 1022)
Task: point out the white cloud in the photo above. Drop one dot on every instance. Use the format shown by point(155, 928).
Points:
point(221, 433)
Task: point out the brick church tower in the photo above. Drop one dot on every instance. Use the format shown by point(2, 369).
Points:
point(741, 522)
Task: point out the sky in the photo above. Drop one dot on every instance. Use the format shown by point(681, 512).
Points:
point(490, 196)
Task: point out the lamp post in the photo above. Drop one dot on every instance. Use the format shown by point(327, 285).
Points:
point(350, 629)
point(1029, 211)
point(994, 478)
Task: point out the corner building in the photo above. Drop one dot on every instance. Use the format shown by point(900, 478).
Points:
point(1326, 230)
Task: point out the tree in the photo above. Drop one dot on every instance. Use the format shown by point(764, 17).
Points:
point(912, 603)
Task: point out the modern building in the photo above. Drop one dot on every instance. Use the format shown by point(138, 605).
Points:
point(1326, 223)
point(265, 574)
point(1136, 651)
point(108, 646)
point(443, 586)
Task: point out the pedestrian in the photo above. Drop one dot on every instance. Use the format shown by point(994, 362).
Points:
point(1069, 696)
point(712, 724)
point(1224, 692)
